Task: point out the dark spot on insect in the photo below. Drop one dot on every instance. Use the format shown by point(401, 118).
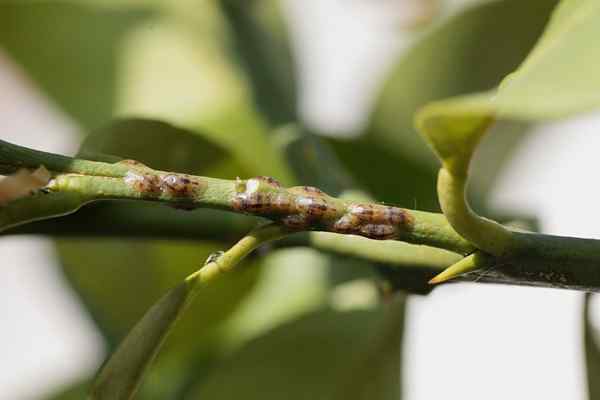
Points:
point(295, 221)
point(145, 184)
point(240, 202)
point(214, 257)
point(257, 202)
point(378, 231)
point(363, 211)
point(312, 189)
point(314, 207)
point(271, 181)
point(307, 190)
point(176, 185)
point(394, 215)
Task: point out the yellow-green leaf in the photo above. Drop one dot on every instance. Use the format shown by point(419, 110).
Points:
point(549, 84)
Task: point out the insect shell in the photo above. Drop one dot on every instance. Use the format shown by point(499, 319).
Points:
point(348, 223)
point(177, 185)
point(378, 231)
point(307, 190)
point(314, 203)
point(378, 214)
point(269, 180)
point(146, 184)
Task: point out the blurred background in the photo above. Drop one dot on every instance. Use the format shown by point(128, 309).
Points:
point(359, 69)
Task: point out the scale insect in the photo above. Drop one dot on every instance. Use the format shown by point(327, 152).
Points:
point(307, 207)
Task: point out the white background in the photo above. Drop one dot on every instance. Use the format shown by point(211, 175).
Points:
point(463, 341)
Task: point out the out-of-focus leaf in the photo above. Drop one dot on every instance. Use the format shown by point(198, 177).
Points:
point(471, 51)
point(390, 177)
point(120, 377)
point(70, 50)
point(261, 47)
point(376, 372)
point(293, 282)
point(165, 146)
point(175, 69)
point(309, 157)
point(592, 352)
point(246, 137)
point(325, 355)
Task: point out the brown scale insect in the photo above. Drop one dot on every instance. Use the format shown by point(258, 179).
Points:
point(312, 207)
point(281, 203)
point(394, 215)
point(314, 202)
point(146, 184)
point(378, 214)
point(176, 185)
point(267, 179)
point(378, 231)
point(308, 190)
point(258, 203)
point(364, 212)
point(348, 223)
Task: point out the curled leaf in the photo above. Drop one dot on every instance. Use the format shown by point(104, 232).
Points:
point(547, 85)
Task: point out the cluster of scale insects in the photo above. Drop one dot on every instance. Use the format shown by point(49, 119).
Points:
point(306, 207)
point(299, 207)
point(144, 180)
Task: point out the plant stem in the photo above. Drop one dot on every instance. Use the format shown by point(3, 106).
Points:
point(90, 181)
point(232, 257)
point(534, 259)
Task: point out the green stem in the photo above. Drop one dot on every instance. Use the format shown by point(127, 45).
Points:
point(227, 261)
point(91, 181)
point(534, 259)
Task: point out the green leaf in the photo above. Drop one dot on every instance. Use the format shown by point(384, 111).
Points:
point(592, 352)
point(470, 51)
point(70, 51)
point(309, 155)
point(324, 355)
point(559, 77)
point(455, 126)
point(120, 377)
point(413, 183)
